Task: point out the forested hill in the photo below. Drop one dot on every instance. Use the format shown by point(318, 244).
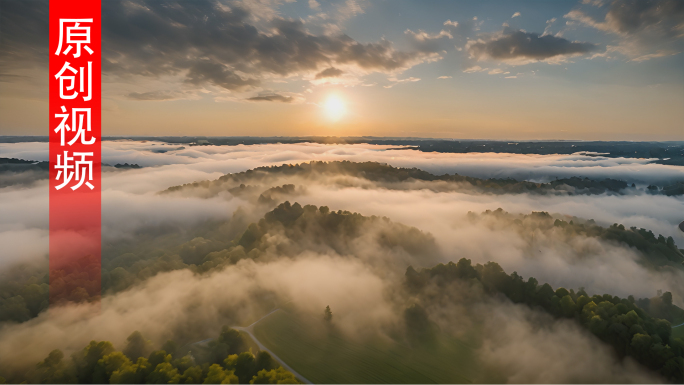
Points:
point(400, 178)
point(655, 251)
point(629, 329)
point(287, 231)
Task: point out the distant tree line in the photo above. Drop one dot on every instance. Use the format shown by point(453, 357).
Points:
point(656, 251)
point(224, 361)
point(389, 175)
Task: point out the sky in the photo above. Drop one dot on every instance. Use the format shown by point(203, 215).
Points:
point(579, 70)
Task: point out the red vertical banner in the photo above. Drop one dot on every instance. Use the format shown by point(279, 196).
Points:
point(75, 150)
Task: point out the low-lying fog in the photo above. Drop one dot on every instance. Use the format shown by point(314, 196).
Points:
point(130, 202)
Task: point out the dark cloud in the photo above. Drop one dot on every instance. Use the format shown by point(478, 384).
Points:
point(10, 78)
point(521, 45)
point(203, 40)
point(272, 98)
point(647, 28)
point(331, 72)
point(219, 74)
point(633, 16)
point(154, 95)
point(23, 34)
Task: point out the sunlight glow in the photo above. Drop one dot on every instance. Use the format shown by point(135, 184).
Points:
point(334, 108)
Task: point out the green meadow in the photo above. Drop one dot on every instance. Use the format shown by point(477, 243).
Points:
point(678, 332)
point(323, 354)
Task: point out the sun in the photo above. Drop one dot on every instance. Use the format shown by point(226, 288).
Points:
point(334, 108)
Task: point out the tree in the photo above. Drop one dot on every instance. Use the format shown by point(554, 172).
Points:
point(568, 306)
point(245, 366)
point(416, 318)
point(327, 314)
point(137, 346)
point(164, 373)
point(192, 375)
point(274, 376)
point(87, 359)
point(133, 374)
point(170, 347)
point(667, 298)
point(229, 342)
point(184, 363)
point(157, 357)
point(108, 365)
point(218, 375)
point(264, 361)
point(53, 370)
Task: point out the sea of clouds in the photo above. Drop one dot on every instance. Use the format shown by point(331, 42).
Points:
point(130, 201)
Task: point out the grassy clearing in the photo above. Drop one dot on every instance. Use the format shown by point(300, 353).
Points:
point(249, 343)
point(678, 332)
point(324, 355)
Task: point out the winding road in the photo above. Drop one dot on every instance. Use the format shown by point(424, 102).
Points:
point(249, 330)
point(682, 324)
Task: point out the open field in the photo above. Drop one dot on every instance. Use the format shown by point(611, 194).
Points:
point(324, 355)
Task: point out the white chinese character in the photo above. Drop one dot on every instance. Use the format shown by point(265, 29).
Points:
point(72, 80)
point(80, 124)
point(75, 35)
point(81, 113)
point(86, 167)
point(82, 169)
point(64, 169)
point(62, 125)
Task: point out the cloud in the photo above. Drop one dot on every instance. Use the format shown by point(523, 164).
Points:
point(452, 33)
point(181, 304)
point(517, 46)
point(313, 4)
point(475, 69)
point(524, 345)
point(650, 56)
point(234, 47)
point(582, 262)
point(664, 17)
point(350, 8)
point(396, 81)
point(208, 72)
point(331, 72)
point(271, 97)
point(429, 43)
point(160, 95)
point(460, 31)
point(531, 167)
point(444, 77)
point(25, 35)
point(130, 203)
point(515, 15)
point(646, 29)
point(549, 23)
point(530, 347)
